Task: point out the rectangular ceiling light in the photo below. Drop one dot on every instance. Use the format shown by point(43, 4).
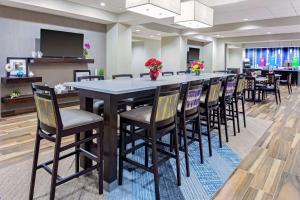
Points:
point(195, 15)
point(154, 8)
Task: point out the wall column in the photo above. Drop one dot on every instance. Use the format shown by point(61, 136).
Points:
point(119, 49)
point(174, 53)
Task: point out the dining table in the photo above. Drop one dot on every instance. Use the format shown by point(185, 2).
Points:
point(112, 92)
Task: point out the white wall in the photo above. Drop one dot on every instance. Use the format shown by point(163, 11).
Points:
point(173, 53)
point(141, 52)
point(235, 58)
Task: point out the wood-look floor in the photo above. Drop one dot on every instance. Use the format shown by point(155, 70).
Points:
point(270, 171)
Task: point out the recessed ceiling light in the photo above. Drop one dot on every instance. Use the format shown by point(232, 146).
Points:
point(218, 36)
point(158, 34)
point(246, 19)
point(102, 4)
point(137, 30)
point(151, 36)
point(269, 33)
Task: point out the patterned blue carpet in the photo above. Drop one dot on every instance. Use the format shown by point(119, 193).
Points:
point(205, 180)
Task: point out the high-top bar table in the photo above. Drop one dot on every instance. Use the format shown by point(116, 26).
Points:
point(112, 91)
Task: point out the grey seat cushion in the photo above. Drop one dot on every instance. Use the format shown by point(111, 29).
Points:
point(141, 114)
point(98, 105)
point(72, 118)
point(202, 98)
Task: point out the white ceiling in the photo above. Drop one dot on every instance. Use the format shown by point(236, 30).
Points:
point(229, 16)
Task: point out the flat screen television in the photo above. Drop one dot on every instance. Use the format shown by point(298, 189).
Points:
point(61, 44)
point(193, 54)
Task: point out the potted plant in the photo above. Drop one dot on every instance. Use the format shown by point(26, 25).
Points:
point(197, 67)
point(101, 73)
point(86, 47)
point(155, 67)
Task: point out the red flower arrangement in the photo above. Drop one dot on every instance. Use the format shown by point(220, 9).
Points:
point(154, 66)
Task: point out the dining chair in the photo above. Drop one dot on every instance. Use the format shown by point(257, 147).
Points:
point(181, 72)
point(122, 76)
point(239, 96)
point(142, 75)
point(288, 82)
point(210, 107)
point(188, 110)
point(250, 89)
point(158, 121)
point(226, 103)
point(272, 87)
point(98, 105)
point(53, 125)
point(168, 73)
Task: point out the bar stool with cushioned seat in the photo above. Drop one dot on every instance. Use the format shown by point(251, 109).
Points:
point(209, 105)
point(226, 103)
point(98, 105)
point(54, 125)
point(157, 121)
point(190, 112)
point(239, 95)
point(168, 73)
point(288, 82)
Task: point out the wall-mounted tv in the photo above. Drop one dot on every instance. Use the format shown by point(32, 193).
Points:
point(193, 54)
point(61, 44)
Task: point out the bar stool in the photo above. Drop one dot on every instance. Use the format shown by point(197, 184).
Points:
point(168, 73)
point(288, 82)
point(188, 110)
point(54, 125)
point(237, 96)
point(209, 105)
point(226, 103)
point(181, 72)
point(98, 105)
point(158, 121)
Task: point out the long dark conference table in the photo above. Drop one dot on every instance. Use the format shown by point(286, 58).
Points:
point(111, 92)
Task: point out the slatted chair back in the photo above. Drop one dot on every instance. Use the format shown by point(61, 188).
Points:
point(122, 76)
point(181, 72)
point(48, 114)
point(241, 83)
point(165, 103)
point(168, 73)
point(229, 87)
point(191, 98)
point(88, 78)
point(142, 75)
point(213, 92)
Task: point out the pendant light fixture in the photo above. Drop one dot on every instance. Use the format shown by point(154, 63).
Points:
point(195, 15)
point(154, 8)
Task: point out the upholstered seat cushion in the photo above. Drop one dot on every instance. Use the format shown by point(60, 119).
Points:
point(179, 106)
point(202, 98)
point(72, 118)
point(98, 105)
point(142, 114)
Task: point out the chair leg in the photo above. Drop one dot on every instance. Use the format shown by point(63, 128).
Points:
point(291, 88)
point(225, 122)
point(34, 164)
point(146, 150)
point(237, 114)
point(177, 155)
point(208, 132)
point(100, 161)
point(186, 151)
point(219, 127)
point(200, 140)
point(155, 166)
point(77, 135)
point(233, 117)
point(279, 95)
point(55, 167)
point(276, 98)
point(121, 152)
point(244, 113)
point(132, 137)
